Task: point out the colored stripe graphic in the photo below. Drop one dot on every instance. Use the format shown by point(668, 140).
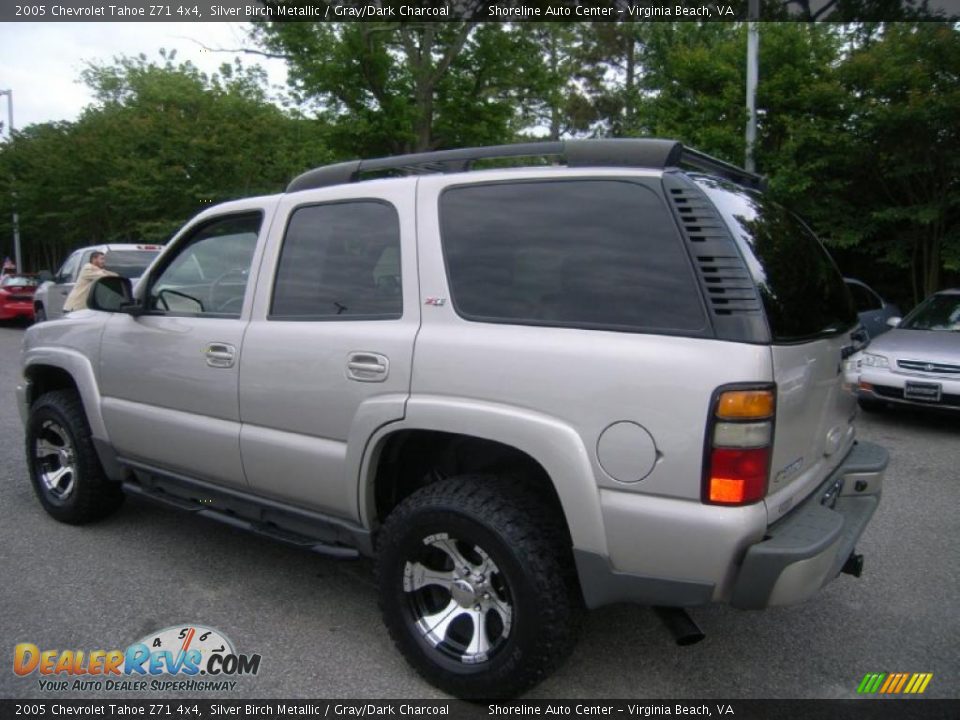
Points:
point(894, 683)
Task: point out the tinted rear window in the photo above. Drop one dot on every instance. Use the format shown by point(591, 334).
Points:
point(588, 253)
point(803, 292)
point(130, 263)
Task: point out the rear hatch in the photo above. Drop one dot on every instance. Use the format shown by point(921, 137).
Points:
point(813, 326)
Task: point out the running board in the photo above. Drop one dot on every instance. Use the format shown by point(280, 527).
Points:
point(256, 515)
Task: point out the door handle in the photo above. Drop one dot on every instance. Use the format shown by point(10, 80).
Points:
point(367, 367)
point(220, 355)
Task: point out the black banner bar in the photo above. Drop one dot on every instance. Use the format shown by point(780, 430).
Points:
point(866, 709)
point(473, 10)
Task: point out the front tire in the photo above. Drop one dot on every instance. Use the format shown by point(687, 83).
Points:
point(39, 314)
point(477, 586)
point(64, 467)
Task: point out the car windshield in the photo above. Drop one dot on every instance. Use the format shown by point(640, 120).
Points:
point(19, 282)
point(130, 263)
point(939, 312)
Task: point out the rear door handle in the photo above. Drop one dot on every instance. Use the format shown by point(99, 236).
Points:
point(367, 367)
point(220, 355)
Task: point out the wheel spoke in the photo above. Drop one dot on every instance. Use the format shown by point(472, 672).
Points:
point(449, 546)
point(55, 476)
point(420, 576)
point(479, 644)
point(435, 626)
point(45, 448)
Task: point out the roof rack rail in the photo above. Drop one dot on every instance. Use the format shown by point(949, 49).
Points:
point(625, 152)
point(707, 163)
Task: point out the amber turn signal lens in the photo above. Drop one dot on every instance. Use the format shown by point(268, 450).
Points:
point(745, 404)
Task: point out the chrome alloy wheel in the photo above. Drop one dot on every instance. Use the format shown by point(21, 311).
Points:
point(56, 460)
point(459, 599)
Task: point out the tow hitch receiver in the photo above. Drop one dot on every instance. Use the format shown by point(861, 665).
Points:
point(853, 565)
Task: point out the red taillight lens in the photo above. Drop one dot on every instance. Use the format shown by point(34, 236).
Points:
point(739, 441)
point(737, 477)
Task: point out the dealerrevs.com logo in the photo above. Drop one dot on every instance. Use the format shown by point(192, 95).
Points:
point(183, 657)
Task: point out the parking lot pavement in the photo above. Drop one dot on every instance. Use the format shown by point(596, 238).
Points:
point(316, 625)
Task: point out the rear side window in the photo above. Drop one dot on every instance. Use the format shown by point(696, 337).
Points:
point(130, 263)
point(588, 253)
point(340, 261)
point(803, 293)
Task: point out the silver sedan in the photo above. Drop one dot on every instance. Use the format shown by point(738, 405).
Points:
point(918, 362)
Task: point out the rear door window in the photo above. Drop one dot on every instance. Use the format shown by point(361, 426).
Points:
point(803, 292)
point(340, 261)
point(584, 253)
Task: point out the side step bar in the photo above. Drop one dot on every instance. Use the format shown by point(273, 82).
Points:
point(257, 515)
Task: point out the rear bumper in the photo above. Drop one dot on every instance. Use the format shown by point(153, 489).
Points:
point(805, 550)
point(12, 310)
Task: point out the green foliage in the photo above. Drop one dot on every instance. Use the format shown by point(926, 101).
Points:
point(857, 124)
point(389, 88)
point(162, 143)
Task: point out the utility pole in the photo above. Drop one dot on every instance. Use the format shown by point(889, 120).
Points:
point(16, 219)
point(753, 71)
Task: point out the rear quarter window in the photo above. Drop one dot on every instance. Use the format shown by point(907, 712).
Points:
point(803, 292)
point(599, 254)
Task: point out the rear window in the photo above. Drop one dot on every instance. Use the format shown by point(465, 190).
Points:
point(599, 254)
point(19, 282)
point(803, 292)
point(130, 263)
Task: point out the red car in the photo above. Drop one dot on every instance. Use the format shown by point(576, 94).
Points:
point(16, 297)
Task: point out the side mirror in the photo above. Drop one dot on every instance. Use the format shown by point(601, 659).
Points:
point(113, 294)
point(894, 322)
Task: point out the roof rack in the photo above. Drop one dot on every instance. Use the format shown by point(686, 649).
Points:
point(626, 152)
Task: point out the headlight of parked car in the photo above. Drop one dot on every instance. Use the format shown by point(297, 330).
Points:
point(876, 361)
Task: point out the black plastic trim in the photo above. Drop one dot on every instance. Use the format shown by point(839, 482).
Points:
point(655, 153)
point(315, 531)
point(737, 312)
point(810, 529)
point(602, 585)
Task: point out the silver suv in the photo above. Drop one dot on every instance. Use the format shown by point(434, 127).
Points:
point(525, 390)
point(127, 259)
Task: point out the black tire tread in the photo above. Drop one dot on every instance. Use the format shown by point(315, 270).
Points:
point(95, 496)
point(532, 529)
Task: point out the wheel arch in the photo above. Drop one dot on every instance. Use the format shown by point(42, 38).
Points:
point(64, 369)
point(439, 437)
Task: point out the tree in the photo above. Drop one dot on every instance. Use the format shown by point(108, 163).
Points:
point(162, 142)
point(392, 88)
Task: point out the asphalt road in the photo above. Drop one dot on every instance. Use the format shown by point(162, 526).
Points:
point(316, 624)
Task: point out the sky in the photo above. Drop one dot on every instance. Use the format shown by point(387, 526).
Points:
point(41, 62)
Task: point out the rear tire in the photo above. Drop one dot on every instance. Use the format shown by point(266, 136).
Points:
point(64, 467)
point(477, 586)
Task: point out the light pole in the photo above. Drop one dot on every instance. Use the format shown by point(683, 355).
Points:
point(16, 220)
point(753, 67)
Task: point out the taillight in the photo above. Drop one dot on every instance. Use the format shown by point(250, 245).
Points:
point(739, 439)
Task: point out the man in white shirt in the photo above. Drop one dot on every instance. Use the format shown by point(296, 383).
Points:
point(92, 271)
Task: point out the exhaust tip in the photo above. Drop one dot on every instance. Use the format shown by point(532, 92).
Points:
point(684, 630)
